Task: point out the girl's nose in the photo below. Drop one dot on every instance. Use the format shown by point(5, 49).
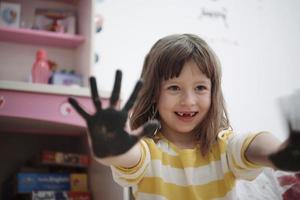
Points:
point(188, 99)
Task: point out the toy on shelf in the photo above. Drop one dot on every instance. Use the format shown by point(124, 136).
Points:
point(41, 71)
point(55, 20)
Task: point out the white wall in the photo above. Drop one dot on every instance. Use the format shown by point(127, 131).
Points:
point(257, 41)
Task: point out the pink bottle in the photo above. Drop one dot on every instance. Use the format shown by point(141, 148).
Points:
point(41, 70)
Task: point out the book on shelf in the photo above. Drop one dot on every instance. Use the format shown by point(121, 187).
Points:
point(79, 182)
point(50, 171)
point(60, 195)
point(53, 195)
point(64, 159)
point(23, 184)
point(27, 182)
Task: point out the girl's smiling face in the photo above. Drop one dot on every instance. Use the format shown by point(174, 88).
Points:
point(184, 101)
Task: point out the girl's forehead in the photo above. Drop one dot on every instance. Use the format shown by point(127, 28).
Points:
point(188, 68)
point(188, 76)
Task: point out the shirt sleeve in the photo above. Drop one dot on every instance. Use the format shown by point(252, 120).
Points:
point(238, 164)
point(131, 176)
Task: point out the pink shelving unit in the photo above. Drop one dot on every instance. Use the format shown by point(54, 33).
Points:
point(71, 52)
point(39, 37)
point(32, 112)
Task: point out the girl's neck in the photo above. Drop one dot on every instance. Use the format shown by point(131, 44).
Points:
point(181, 140)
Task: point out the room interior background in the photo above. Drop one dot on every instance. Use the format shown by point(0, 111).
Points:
point(257, 42)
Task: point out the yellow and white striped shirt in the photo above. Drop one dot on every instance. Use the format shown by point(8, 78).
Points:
point(168, 172)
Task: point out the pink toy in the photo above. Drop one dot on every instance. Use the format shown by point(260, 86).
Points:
point(41, 70)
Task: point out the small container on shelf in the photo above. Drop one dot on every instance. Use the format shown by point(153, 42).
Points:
point(66, 78)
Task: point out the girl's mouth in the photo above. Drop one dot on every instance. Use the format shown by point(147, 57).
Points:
point(186, 115)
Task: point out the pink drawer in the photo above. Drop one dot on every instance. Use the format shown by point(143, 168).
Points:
point(35, 112)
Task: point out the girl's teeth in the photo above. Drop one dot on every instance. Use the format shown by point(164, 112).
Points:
point(186, 114)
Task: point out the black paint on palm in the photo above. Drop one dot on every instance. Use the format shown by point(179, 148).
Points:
point(106, 126)
point(288, 158)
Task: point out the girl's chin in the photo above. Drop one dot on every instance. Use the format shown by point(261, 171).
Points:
point(184, 131)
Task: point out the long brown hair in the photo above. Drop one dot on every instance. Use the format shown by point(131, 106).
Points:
point(164, 61)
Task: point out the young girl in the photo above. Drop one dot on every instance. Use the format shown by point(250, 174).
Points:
point(194, 153)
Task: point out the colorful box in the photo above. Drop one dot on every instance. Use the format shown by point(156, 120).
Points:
point(79, 182)
point(28, 182)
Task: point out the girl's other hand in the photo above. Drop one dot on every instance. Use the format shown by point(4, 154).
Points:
point(288, 156)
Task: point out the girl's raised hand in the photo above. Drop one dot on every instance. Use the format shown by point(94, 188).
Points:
point(106, 126)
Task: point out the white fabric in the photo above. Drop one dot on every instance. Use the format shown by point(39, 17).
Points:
point(264, 187)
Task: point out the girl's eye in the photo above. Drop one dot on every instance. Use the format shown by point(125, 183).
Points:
point(173, 88)
point(200, 88)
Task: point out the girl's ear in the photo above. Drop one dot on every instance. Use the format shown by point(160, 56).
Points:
point(154, 100)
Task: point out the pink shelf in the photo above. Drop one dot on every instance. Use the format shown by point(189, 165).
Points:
point(67, 1)
point(38, 37)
